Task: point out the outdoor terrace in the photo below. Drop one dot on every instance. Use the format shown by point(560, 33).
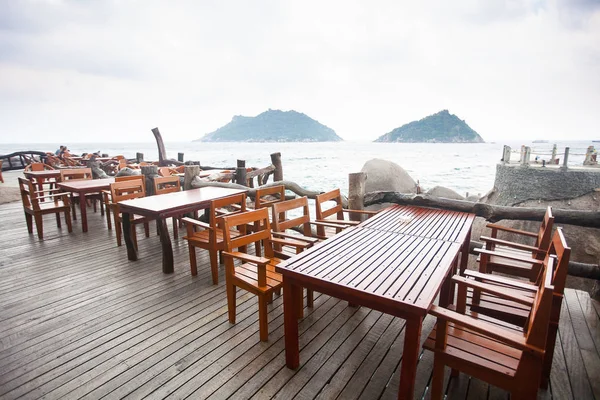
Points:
point(78, 320)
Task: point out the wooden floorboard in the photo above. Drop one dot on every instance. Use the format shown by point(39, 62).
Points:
point(78, 320)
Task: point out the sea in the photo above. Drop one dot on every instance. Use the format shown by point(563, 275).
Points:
point(467, 168)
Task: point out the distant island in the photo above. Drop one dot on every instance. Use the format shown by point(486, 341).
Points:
point(441, 127)
point(273, 126)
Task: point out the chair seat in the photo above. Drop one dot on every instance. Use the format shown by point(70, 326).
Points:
point(51, 206)
point(477, 352)
point(513, 267)
point(500, 308)
point(247, 275)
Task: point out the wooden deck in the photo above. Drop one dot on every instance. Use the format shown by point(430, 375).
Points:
point(78, 320)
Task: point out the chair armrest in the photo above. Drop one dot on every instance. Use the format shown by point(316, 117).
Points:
point(330, 225)
point(302, 238)
point(517, 284)
point(339, 222)
point(511, 230)
point(195, 222)
point(509, 256)
point(514, 245)
point(247, 257)
point(503, 335)
point(499, 291)
point(366, 212)
point(289, 242)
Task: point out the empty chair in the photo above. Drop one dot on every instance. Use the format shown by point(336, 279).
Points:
point(503, 357)
point(513, 264)
point(168, 184)
point(517, 313)
point(34, 209)
point(126, 190)
point(255, 274)
point(335, 214)
point(106, 198)
point(80, 174)
point(209, 236)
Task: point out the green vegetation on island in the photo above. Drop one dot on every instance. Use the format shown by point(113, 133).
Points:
point(273, 126)
point(441, 127)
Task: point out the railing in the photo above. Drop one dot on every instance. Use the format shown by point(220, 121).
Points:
point(20, 159)
point(526, 151)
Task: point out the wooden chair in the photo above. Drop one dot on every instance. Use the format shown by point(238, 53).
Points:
point(106, 198)
point(168, 184)
point(515, 265)
point(502, 357)
point(55, 203)
point(126, 190)
point(255, 274)
point(517, 313)
point(337, 212)
point(68, 174)
point(210, 235)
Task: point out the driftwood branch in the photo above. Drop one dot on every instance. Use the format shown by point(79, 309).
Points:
point(291, 186)
point(490, 212)
point(582, 270)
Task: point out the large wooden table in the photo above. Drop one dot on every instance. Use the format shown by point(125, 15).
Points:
point(396, 262)
point(164, 206)
point(84, 187)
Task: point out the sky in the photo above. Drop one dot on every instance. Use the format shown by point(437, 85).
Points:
point(110, 71)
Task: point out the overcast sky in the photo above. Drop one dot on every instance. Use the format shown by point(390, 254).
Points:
point(81, 71)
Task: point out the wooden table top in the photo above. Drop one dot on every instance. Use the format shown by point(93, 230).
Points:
point(173, 203)
point(394, 265)
point(86, 185)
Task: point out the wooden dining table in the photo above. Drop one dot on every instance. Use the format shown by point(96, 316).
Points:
point(163, 206)
point(83, 187)
point(396, 262)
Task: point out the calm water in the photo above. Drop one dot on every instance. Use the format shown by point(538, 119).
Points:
point(323, 166)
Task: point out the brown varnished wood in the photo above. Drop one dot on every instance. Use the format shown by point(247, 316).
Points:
point(82, 188)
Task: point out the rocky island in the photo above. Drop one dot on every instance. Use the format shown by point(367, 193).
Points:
point(441, 127)
point(273, 126)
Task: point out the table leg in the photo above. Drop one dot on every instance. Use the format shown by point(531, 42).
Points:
point(290, 321)
point(167, 249)
point(83, 210)
point(410, 357)
point(131, 250)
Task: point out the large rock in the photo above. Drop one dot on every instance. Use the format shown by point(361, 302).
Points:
point(383, 175)
point(440, 191)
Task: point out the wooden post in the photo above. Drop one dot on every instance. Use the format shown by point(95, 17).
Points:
point(276, 161)
point(150, 172)
point(139, 157)
point(356, 193)
point(553, 159)
point(526, 156)
point(180, 157)
point(522, 154)
point(191, 171)
point(162, 153)
point(566, 158)
point(240, 173)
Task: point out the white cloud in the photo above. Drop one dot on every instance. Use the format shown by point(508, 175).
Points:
point(73, 71)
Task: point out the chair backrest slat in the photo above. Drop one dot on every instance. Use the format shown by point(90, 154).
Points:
point(166, 184)
point(258, 218)
point(260, 200)
point(321, 199)
point(545, 233)
point(281, 222)
point(126, 190)
point(75, 174)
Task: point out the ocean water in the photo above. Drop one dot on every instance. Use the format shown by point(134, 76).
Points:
point(463, 167)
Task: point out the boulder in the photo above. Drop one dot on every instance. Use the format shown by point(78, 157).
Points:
point(383, 175)
point(440, 191)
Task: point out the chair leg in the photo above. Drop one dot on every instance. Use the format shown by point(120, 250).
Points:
point(193, 267)
point(549, 355)
point(29, 221)
point(147, 229)
point(58, 219)
point(39, 225)
point(214, 267)
point(118, 228)
point(68, 221)
point(230, 299)
point(262, 318)
point(108, 220)
point(309, 298)
point(73, 208)
point(437, 381)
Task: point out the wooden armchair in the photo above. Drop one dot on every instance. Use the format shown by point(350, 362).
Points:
point(126, 190)
point(210, 236)
point(55, 203)
point(516, 266)
point(337, 212)
point(503, 357)
point(255, 274)
point(168, 184)
point(68, 174)
point(106, 197)
point(515, 312)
